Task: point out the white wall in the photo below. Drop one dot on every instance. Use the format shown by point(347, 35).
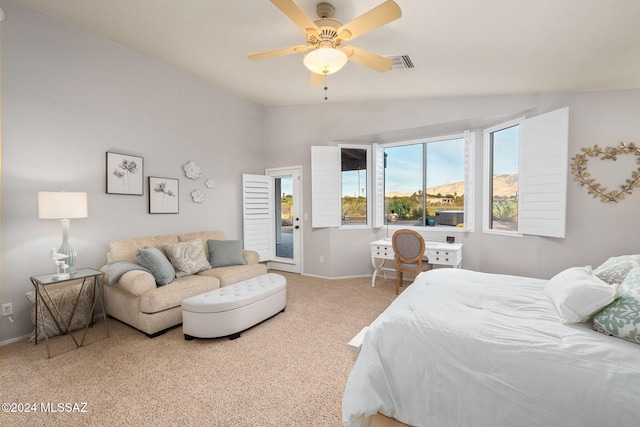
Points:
point(595, 230)
point(68, 97)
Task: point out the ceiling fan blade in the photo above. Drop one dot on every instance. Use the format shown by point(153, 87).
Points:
point(316, 79)
point(368, 59)
point(289, 8)
point(277, 52)
point(376, 17)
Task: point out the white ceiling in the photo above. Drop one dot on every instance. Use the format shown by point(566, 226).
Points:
point(458, 47)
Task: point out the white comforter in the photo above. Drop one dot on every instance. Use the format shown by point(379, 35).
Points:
point(461, 348)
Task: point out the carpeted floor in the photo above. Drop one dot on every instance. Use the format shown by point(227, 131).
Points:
point(288, 371)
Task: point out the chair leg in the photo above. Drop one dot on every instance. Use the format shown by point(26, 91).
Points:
point(398, 281)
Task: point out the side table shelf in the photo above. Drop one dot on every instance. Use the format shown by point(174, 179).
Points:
point(89, 277)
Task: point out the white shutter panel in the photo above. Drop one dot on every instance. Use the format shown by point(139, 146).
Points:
point(325, 186)
point(258, 215)
point(378, 186)
point(544, 163)
point(469, 180)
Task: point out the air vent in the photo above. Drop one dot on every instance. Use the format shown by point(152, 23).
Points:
point(401, 61)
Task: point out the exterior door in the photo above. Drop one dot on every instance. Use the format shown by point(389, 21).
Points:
point(287, 224)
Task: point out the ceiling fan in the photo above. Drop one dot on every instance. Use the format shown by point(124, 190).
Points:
point(325, 52)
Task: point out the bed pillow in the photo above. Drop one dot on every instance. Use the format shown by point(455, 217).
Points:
point(615, 269)
point(622, 318)
point(224, 253)
point(187, 257)
point(577, 294)
point(154, 260)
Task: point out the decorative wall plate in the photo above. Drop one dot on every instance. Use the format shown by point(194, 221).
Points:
point(579, 169)
point(192, 171)
point(197, 196)
point(209, 183)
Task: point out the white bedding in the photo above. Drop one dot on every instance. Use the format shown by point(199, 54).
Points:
point(462, 348)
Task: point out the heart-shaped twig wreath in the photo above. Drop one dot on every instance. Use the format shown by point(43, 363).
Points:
point(579, 169)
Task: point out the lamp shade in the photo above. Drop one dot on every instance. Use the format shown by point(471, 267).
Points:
point(325, 60)
point(62, 205)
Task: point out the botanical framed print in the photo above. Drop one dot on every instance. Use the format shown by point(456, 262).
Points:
point(163, 195)
point(125, 174)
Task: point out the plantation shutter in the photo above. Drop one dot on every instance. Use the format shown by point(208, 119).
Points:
point(542, 201)
point(325, 186)
point(258, 200)
point(378, 186)
point(469, 180)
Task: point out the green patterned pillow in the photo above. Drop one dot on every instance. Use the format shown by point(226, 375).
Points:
point(187, 257)
point(622, 317)
point(615, 269)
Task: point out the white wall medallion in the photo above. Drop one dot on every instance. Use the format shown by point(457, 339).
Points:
point(197, 196)
point(192, 171)
point(209, 183)
point(579, 169)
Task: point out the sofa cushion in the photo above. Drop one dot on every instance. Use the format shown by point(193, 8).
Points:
point(126, 250)
point(166, 297)
point(157, 263)
point(187, 257)
point(224, 253)
point(235, 273)
point(204, 236)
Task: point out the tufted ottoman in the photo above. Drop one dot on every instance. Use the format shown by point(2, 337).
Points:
point(229, 310)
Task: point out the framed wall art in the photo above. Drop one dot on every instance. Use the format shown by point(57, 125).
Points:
point(163, 195)
point(125, 174)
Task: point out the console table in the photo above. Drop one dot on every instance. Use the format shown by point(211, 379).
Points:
point(89, 277)
point(437, 253)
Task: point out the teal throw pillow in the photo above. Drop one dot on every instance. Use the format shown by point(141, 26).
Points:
point(622, 317)
point(154, 260)
point(223, 253)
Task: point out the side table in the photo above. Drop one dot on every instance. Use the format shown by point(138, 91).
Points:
point(89, 277)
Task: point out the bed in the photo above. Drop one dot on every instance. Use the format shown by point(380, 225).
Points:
point(463, 348)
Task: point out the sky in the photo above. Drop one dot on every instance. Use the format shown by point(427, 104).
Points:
point(445, 164)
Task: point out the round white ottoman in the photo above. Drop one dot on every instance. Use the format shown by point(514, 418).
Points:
point(228, 311)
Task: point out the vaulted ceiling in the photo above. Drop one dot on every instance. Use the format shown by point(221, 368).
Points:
point(458, 47)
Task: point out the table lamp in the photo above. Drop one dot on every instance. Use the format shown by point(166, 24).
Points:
point(63, 206)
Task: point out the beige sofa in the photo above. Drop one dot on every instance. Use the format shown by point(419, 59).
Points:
point(137, 300)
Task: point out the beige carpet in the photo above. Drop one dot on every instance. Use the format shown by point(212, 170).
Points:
point(288, 371)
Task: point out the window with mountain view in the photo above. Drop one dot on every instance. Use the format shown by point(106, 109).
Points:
point(424, 182)
point(503, 177)
point(354, 185)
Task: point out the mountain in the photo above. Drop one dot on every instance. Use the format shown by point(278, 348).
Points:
point(503, 185)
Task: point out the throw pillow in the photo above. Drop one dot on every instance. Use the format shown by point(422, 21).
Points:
point(622, 318)
point(154, 260)
point(577, 295)
point(187, 257)
point(224, 253)
point(615, 269)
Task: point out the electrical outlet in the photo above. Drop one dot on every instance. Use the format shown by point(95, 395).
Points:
point(321, 259)
point(7, 309)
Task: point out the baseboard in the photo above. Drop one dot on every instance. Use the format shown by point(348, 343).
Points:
point(14, 339)
point(335, 278)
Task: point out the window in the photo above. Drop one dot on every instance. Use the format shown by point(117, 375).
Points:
point(502, 192)
point(432, 176)
point(424, 182)
point(354, 186)
point(525, 180)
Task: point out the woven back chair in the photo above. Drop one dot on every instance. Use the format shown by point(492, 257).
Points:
point(409, 247)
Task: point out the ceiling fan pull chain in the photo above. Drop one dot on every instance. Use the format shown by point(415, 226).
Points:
point(325, 88)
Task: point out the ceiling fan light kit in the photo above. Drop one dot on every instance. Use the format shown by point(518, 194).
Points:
point(324, 53)
point(325, 60)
